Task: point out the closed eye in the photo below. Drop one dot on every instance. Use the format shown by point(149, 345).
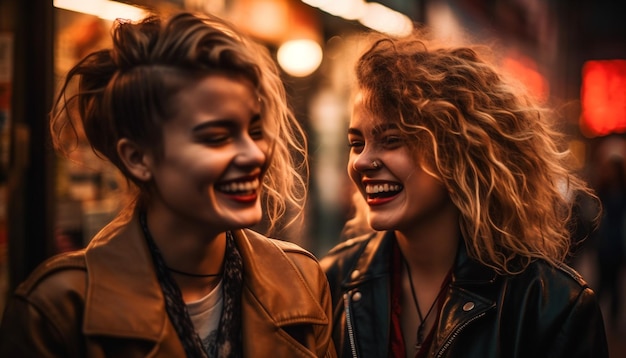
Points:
point(256, 133)
point(256, 128)
point(391, 141)
point(356, 145)
point(214, 137)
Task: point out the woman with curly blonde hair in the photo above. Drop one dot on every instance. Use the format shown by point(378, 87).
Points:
point(194, 114)
point(464, 181)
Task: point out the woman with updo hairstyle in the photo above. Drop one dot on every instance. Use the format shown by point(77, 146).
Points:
point(194, 115)
point(464, 183)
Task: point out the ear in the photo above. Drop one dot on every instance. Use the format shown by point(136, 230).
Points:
point(135, 159)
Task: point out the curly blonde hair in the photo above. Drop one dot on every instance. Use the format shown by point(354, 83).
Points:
point(127, 91)
point(493, 146)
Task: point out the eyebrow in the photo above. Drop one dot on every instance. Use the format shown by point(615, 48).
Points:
point(224, 122)
point(384, 127)
point(376, 130)
point(354, 131)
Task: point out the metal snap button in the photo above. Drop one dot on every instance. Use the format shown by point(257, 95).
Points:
point(356, 296)
point(355, 274)
point(468, 306)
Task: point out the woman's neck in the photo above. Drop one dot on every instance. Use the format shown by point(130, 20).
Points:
point(430, 247)
point(186, 247)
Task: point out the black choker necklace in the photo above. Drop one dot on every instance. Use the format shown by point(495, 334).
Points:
point(193, 274)
point(155, 251)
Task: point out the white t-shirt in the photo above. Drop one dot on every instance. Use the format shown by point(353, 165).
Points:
point(205, 314)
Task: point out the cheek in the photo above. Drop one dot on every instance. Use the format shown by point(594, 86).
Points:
point(199, 164)
point(432, 192)
point(265, 147)
point(352, 173)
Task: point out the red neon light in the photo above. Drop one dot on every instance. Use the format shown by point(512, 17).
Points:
point(603, 97)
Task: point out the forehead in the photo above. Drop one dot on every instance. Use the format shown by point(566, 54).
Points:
point(217, 96)
point(213, 88)
point(366, 120)
point(362, 115)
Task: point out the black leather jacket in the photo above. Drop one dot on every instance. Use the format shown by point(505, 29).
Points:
point(541, 312)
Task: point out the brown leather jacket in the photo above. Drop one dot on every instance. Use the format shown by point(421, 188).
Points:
point(105, 301)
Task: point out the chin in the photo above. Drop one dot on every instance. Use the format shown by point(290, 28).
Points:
point(378, 225)
point(245, 221)
point(238, 219)
point(383, 220)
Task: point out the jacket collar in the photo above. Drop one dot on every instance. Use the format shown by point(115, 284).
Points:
point(467, 271)
point(373, 262)
point(122, 299)
point(275, 283)
point(126, 299)
point(472, 289)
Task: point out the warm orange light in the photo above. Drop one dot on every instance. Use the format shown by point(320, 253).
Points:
point(276, 21)
point(299, 58)
point(104, 9)
point(603, 98)
point(525, 70)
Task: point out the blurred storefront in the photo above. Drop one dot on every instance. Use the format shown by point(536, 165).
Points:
point(49, 204)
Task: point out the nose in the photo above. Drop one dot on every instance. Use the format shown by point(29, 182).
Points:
point(251, 152)
point(363, 161)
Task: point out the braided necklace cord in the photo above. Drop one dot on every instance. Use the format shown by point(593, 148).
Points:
point(228, 343)
point(420, 328)
point(174, 304)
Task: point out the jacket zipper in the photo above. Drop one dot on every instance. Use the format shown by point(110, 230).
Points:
point(456, 333)
point(346, 301)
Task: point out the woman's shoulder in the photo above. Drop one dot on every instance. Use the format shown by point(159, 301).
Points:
point(554, 275)
point(56, 288)
point(55, 271)
point(348, 248)
point(554, 301)
point(274, 257)
point(287, 247)
point(350, 245)
point(47, 307)
point(341, 258)
point(560, 282)
point(291, 248)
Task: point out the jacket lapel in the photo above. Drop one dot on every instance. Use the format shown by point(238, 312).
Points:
point(122, 300)
point(126, 301)
point(473, 292)
point(276, 300)
point(368, 288)
point(271, 278)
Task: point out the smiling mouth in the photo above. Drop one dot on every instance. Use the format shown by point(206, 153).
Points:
point(243, 190)
point(382, 190)
point(239, 186)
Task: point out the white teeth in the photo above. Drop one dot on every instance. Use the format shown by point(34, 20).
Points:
point(381, 188)
point(240, 186)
